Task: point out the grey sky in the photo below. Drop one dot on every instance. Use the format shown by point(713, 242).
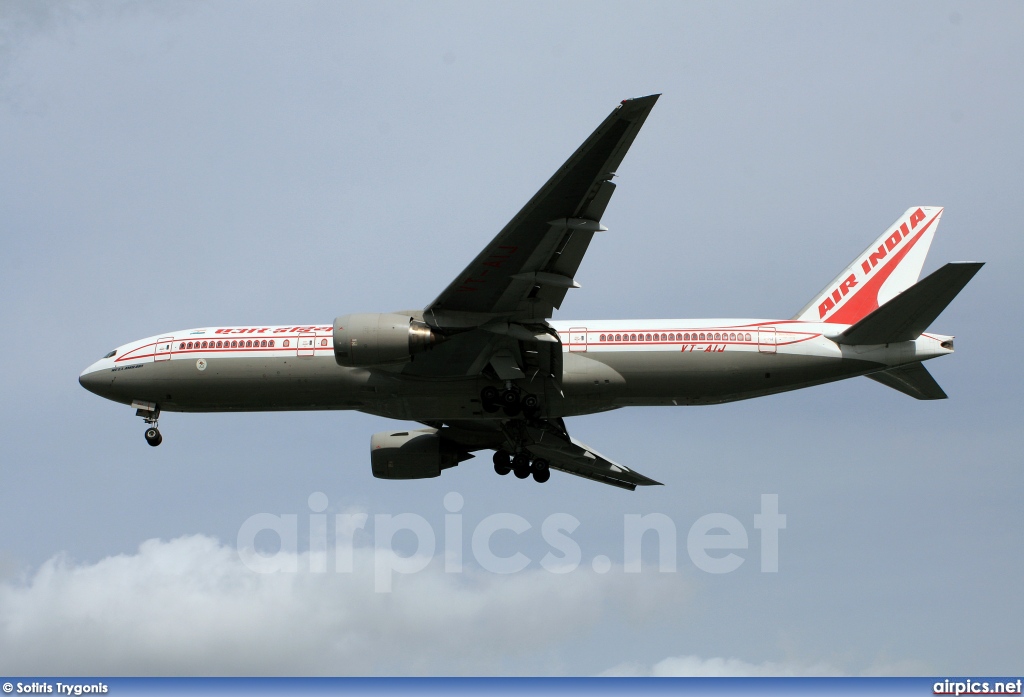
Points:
point(164, 167)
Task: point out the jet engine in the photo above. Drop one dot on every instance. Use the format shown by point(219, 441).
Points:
point(361, 341)
point(412, 454)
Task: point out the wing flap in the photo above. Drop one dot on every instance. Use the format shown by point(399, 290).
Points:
point(567, 454)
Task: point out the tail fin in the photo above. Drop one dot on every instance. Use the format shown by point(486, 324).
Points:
point(907, 315)
point(889, 266)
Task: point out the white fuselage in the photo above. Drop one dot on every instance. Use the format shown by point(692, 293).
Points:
point(606, 364)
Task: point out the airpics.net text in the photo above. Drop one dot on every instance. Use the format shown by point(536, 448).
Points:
point(714, 542)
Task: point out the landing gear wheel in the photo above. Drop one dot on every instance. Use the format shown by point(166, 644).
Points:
point(521, 466)
point(530, 402)
point(541, 471)
point(507, 398)
point(153, 437)
point(490, 399)
point(501, 463)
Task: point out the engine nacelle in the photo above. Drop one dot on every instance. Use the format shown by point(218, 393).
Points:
point(412, 454)
point(361, 341)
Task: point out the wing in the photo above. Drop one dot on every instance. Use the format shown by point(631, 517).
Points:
point(504, 297)
point(525, 271)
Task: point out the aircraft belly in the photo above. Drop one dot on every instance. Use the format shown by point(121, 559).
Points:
point(428, 400)
point(241, 384)
point(656, 378)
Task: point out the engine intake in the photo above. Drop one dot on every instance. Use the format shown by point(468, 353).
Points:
point(366, 340)
point(412, 454)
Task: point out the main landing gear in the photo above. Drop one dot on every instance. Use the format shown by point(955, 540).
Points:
point(511, 400)
point(522, 466)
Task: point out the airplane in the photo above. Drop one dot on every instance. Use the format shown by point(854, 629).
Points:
point(485, 367)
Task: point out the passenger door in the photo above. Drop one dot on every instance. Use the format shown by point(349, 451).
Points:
point(306, 344)
point(163, 348)
point(578, 339)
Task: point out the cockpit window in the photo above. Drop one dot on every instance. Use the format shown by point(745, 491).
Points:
point(111, 354)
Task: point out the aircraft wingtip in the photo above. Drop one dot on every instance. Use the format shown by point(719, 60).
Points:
point(646, 97)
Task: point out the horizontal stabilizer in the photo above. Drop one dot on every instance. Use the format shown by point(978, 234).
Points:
point(905, 317)
point(912, 379)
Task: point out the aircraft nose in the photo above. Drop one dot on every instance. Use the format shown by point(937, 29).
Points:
point(91, 380)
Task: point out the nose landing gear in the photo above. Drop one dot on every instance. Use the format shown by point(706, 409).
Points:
point(150, 413)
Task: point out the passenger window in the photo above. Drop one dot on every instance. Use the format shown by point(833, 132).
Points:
point(748, 337)
point(323, 342)
point(271, 343)
point(632, 337)
point(182, 347)
point(248, 344)
point(263, 344)
point(285, 343)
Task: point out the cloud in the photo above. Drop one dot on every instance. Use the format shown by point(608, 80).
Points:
point(697, 667)
point(190, 606)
